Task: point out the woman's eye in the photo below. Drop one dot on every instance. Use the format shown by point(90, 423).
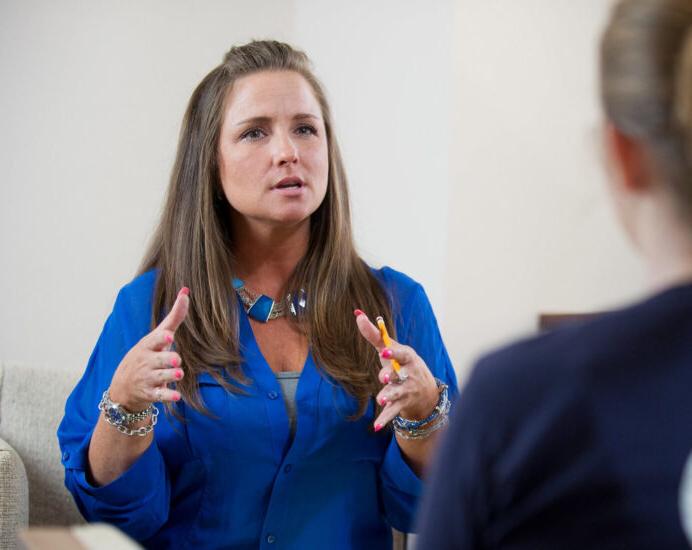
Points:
point(306, 129)
point(253, 134)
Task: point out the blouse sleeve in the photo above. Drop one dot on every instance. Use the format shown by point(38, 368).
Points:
point(417, 328)
point(137, 502)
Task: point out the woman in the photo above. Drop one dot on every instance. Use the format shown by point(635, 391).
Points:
point(267, 437)
point(590, 453)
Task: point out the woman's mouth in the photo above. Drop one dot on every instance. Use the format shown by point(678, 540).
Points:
point(290, 186)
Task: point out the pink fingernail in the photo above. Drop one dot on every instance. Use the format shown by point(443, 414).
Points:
point(378, 427)
point(174, 361)
point(169, 338)
point(386, 379)
point(387, 353)
point(185, 291)
point(178, 374)
point(357, 312)
point(383, 401)
point(176, 397)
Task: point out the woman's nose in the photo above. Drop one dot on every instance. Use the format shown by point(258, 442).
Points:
point(286, 150)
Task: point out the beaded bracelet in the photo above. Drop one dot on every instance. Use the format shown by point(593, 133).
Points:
point(422, 433)
point(420, 429)
point(442, 407)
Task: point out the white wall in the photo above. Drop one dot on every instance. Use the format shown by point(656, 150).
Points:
point(531, 228)
point(468, 130)
point(91, 101)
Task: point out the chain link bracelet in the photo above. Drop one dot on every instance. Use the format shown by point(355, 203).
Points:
point(142, 430)
point(121, 418)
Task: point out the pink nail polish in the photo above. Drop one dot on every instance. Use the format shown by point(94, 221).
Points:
point(386, 379)
point(185, 291)
point(169, 338)
point(378, 427)
point(383, 401)
point(387, 353)
point(357, 312)
point(174, 361)
point(176, 397)
point(178, 374)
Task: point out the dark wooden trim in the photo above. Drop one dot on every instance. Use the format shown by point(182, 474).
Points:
point(547, 321)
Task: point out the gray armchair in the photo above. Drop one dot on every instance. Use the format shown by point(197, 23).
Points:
point(32, 492)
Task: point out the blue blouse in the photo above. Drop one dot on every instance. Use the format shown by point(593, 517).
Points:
point(235, 479)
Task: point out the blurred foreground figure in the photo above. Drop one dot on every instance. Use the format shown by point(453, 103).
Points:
point(581, 438)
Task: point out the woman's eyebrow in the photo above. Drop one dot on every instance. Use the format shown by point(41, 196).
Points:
point(254, 120)
point(305, 115)
point(266, 119)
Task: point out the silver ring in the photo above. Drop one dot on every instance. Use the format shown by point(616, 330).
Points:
point(402, 375)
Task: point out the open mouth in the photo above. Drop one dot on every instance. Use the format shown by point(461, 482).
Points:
point(290, 183)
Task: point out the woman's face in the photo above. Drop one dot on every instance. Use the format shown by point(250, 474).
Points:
point(273, 155)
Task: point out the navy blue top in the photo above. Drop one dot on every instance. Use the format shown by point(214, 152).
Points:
point(574, 439)
point(235, 479)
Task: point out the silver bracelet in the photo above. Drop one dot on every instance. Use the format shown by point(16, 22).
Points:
point(142, 430)
point(119, 417)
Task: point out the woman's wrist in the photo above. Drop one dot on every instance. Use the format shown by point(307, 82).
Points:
point(412, 428)
point(426, 405)
point(121, 398)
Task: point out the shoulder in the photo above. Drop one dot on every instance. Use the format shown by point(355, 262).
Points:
point(135, 299)
point(567, 361)
point(593, 344)
point(555, 357)
point(140, 288)
point(401, 288)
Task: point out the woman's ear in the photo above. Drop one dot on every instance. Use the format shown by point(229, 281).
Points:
point(629, 159)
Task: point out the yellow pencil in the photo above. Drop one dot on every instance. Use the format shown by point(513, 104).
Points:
point(387, 341)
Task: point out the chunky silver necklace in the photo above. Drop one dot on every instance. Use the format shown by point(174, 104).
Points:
point(263, 308)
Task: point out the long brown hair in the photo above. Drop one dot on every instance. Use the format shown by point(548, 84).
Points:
point(646, 84)
point(193, 246)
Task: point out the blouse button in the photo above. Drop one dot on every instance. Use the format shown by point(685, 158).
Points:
point(66, 455)
point(271, 539)
point(287, 468)
point(272, 395)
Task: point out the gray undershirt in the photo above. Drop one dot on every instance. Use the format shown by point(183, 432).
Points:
point(289, 382)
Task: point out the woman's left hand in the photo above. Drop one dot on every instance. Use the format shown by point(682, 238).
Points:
point(413, 398)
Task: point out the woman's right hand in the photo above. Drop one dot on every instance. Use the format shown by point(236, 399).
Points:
point(145, 372)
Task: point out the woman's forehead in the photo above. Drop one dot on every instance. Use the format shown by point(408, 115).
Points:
point(271, 94)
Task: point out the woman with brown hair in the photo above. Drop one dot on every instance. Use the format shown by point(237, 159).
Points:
point(232, 399)
point(591, 453)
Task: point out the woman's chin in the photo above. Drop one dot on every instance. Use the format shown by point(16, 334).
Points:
point(287, 220)
point(293, 216)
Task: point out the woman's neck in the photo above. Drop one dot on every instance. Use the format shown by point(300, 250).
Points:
point(266, 256)
point(666, 243)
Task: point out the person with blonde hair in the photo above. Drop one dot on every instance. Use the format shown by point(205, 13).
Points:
point(233, 400)
point(590, 452)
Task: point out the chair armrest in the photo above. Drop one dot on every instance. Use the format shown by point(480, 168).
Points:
point(14, 496)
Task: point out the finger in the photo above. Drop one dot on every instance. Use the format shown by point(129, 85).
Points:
point(163, 394)
point(368, 330)
point(178, 312)
point(161, 377)
point(404, 355)
point(166, 360)
point(389, 394)
point(387, 415)
point(159, 339)
point(386, 374)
